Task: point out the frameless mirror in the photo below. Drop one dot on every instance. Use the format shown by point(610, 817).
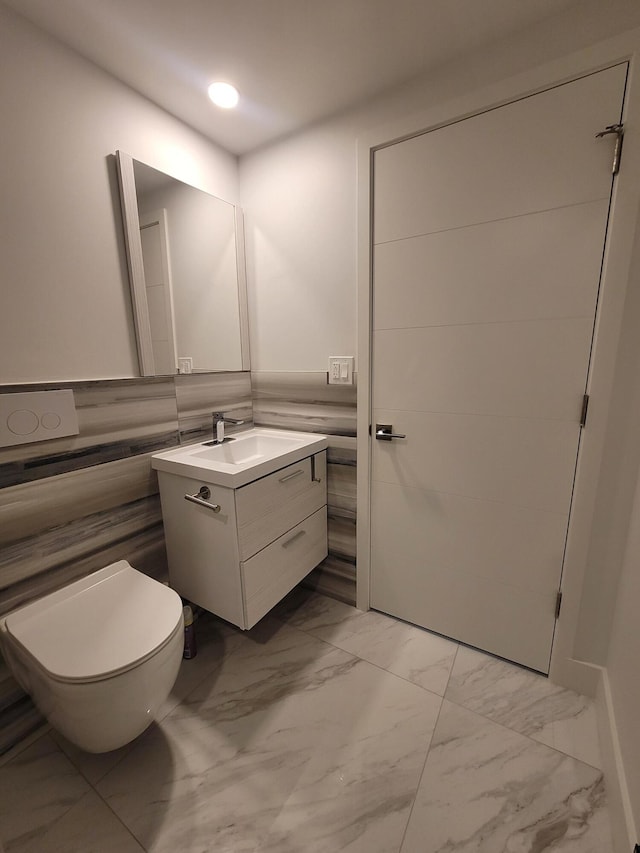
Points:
point(185, 252)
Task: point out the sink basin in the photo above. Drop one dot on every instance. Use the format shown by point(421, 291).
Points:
point(253, 448)
point(249, 455)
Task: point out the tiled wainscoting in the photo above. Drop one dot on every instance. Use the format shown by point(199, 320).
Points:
point(304, 401)
point(72, 505)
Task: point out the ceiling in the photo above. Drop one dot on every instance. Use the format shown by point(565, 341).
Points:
point(295, 62)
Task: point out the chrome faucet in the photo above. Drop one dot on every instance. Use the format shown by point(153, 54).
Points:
point(219, 420)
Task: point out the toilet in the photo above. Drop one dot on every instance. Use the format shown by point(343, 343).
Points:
point(100, 656)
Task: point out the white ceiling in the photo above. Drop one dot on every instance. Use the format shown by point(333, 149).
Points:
point(294, 61)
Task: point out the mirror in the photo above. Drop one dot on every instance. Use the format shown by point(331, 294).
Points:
point(185, 252)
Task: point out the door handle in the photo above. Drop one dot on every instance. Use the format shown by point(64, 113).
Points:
point(202, 499)
point(384, 432)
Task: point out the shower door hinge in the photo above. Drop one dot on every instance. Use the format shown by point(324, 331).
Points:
point(618, 130)
point(558, 603)
point(583, 413)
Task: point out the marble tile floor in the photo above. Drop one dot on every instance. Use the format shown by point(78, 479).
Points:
point(326, 729)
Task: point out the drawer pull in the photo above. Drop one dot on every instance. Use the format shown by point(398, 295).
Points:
point(202, 499)
point(290, 476)
point(293, 538)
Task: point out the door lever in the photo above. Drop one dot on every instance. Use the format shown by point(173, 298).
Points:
point(202, 498)
point(384, 432)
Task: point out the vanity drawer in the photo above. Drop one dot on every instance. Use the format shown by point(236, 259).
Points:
point(270, 575)
point(269, 507)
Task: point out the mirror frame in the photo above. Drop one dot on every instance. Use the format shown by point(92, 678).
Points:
point(133, 245)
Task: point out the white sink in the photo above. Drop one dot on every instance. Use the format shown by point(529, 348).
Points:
point(244, 457)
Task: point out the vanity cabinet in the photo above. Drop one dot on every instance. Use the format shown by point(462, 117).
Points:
point(240, 560)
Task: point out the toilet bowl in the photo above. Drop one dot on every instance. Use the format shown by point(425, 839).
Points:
point(100, 656)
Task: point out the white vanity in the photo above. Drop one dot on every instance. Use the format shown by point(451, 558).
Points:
point(244, 521)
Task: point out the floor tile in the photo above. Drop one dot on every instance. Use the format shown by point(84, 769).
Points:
point(410, 652)
point(356, 791)
point(321, 730)
point(88, 827)
point(215, 640)
point(527, 702)
point(487, 789)
point(37, 788)
point(93, 766)
point(295, 740)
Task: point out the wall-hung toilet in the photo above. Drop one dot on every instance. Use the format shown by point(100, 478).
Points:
point(100, 656)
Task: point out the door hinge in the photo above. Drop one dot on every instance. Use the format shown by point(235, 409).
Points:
point(583, 413)
point(558, 603)
point(618, 130)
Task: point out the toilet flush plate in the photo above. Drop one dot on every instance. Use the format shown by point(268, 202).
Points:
point(37, 416)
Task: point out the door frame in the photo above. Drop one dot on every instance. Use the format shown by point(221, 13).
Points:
point(565, 670)
point(159, 217)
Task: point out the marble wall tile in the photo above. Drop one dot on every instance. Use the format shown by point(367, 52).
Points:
point(18, 716)
point(304, 401)
point(71, 500)
point(116, 418)
point(75, 540)
point(73, 505)
point(334, 577)
point(341, 483)
point(144, 549)
point(28, 507)
point(342, 536)
point(200, 394)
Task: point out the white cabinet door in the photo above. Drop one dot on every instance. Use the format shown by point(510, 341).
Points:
point(488, 242)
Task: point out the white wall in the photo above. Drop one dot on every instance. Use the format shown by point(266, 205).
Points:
point(616, 487)
point(66, 310)
point(299, 195)
point(623, 663)
point(299, 200)
point(609, 631)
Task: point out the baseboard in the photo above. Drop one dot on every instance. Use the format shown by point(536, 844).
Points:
point(622, 822)
point(576, 675)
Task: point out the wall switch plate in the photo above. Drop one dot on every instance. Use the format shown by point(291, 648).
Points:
point(341, 370)
point(185, 365)
point(36, 416)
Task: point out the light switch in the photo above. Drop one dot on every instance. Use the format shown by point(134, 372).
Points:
point(341, 370)
point(36, 416)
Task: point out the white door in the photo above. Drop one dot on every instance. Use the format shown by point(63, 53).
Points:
point(488, 244)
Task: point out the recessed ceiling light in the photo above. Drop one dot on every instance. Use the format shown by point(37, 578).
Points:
point(223, 95)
